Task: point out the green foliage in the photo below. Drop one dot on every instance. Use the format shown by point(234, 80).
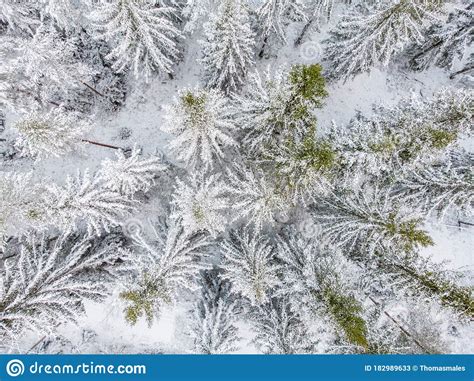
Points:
point(423, 139)
point(34, 214)
point(411, 237)
point(194, 108)
point(308, 83)
point(408, 144)
point(346, 310)
point(450, 294)
point(299, 165)
point(317, 154)
point(144, 299)
point(386, 146)
point(307, 90)
point(192, 101)
point(439, 139)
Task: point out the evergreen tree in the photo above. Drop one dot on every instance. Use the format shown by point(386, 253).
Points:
point(201, 126)
point(65, 13)
point(92, 201)
point(83, 199)
point(248, 265)
point(46, 281)
point(255, 198)
point(279, 329)
point(169, 265)
point(415, 275)
point(318, 10)
point(18, 15)
point(194, 11)
point(323, 284)
point(275, 109)
point(228, 49)
point(142, 35)
point(55, 133)
point(368, 217)
point(17, 202)
point(446, 40)
point(360, 41)
point(303, 167)
point(413, 131)
point(213, 327)
point(129, 175)
point(442, 186)
point(39, 71)
point(201, 204)
point(273, 17)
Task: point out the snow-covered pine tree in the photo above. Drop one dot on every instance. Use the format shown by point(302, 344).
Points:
point(367, 146)
point(362, 41)
point(194, 12)
point(17, 202)
point(39, 71)
point(169, 265)
point(214, 315)
point(368, 217)
point(142, 34)
point(274, 109)
point(446, 40)
point(415, 275)
point(279, 328)
point(52, 134)
point(323, 285)
point(444, 117)
point(84, 200)
point(434, 328)
point(255, 198)
point(18, 15)
point(414, 130)
point(201, 125)
point(318, 10)
point(248, 264)
point(45, 281)
point(201, 203)
point(303, 167)
point(273, 17)
point(106, 89)
point(65, 13)
point(443, 186)
point(281, 129)
point(131, 174)
point(410, 325)
point(228, 49)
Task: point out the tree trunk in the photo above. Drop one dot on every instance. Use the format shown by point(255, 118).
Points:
point(465, 70)
point(101, 144)
point(408, 334)
point(262, 50)
point(465, 223)
point(305, 29)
